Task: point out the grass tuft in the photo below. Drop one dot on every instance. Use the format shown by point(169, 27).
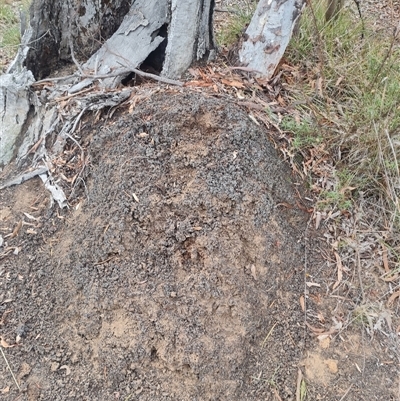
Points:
point(349, 87)
point(234, 26)
point(10, 31)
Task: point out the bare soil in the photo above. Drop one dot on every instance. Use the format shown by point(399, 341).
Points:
point(177, 272)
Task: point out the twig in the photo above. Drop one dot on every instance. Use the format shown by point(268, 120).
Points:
point(24, 177)
point(247, 69)
point(156, 77)
point(225, 10)
point(112, 75)
point(71, 47)
point(298, 385)
point(32, 41)
point(278, 397)
point(347, 392)
point(42, 81)
point(361, 17)
point(359, 274)
point(72, 130)
point(75, 124)
point(9, 368)
point(319, 39)
point(268, 335)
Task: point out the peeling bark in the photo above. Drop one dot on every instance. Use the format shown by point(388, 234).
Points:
point(14, 109)
point(57, 23)
point(269, 33)
point(107, 33)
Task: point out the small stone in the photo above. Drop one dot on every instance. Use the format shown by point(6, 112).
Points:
point(25, 369)
point(54, 366)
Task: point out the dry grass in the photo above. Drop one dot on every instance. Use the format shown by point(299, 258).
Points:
point(346, 90)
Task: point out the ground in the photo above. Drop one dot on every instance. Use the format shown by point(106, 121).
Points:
point(177, 273)
point(187, 267)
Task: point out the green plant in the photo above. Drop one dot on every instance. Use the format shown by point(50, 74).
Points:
point(303, 132)
point(10, 35)
point(351, 87)
point(235, 24)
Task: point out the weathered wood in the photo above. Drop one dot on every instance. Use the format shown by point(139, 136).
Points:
point(190, 35)
point(57, 194)
point(133, 41)
point(269, 33)
point(55, 23)
point(14, 109)
point(27, 175)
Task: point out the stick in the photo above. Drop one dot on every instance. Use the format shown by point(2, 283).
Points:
point(298, 385)
point(9, 368)
point(71, 46)
point(347, 392)
point(111, 75)
point(156, 77)
point(24, 177)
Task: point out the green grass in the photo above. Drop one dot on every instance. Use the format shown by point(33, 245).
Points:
point(349, 91)
point(10, 36)
point(238, 20)
point(7, 14)
point(304, 132)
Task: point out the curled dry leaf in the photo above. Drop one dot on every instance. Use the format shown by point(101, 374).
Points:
point(321, 317)
point(315, 330)
point(339, 270)
point(302, 303)
point(67, 369)
point(385, 259)
point(393, 297)
point(5, 344)
point(16, 229)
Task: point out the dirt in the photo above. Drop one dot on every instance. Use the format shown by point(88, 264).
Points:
point(177, 272)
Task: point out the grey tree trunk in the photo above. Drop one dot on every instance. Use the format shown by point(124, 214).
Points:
point(104, 41)
point(268, 34)
point(56, 24)
point(108, 31)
